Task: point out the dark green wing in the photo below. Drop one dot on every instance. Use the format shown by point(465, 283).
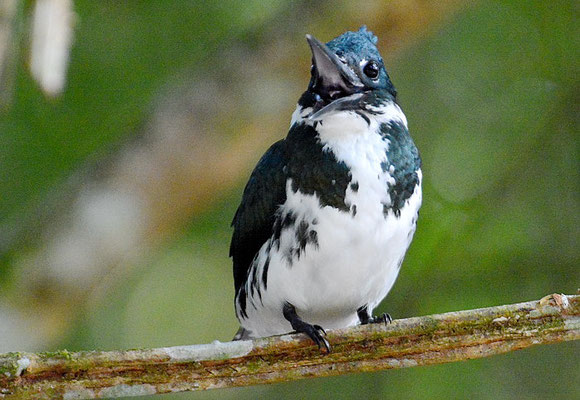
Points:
point(254, 219)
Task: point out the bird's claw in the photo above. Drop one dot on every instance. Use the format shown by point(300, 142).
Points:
point(319, 328)
point(384, 318)
point(317, 334)
point(314, 332)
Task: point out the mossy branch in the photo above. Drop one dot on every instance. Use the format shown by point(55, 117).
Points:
point(410, 342)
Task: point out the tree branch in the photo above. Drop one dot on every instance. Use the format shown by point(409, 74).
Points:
point(433, 339)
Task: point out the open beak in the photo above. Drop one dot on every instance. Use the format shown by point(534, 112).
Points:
point(332, 79)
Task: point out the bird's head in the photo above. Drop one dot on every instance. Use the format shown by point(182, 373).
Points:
point(345, 69)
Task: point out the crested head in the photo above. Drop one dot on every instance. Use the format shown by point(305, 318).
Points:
point(344, 70)
point(359, 52)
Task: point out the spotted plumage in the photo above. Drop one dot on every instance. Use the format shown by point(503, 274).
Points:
point(329, 212)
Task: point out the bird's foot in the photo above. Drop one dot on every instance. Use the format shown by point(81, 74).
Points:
point(365, 318)
point(384, 318)
point(314, 332)
point(317, 334)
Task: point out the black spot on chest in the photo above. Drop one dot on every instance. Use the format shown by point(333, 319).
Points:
point(316, 171)
point(304, 235)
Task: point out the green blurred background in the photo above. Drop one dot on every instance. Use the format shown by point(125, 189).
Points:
point(116, 196)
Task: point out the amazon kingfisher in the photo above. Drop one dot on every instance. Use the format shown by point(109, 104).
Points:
point(329, 212)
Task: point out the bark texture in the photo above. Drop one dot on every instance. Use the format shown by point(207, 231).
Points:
point(433, 339)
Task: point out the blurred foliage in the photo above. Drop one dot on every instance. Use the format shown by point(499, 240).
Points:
point(123, 54)
point(492, 100)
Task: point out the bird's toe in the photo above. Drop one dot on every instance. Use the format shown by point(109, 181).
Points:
point(317, 334)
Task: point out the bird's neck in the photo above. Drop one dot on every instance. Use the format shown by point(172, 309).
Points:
point(340, 127)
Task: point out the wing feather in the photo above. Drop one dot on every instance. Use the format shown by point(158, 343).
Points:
point(254, 220)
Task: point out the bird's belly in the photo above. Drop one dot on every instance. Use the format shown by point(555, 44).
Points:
point(353, 261)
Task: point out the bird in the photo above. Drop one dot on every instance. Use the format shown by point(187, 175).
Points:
point(329, 211)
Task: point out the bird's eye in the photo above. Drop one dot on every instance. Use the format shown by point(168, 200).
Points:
point(371, 69)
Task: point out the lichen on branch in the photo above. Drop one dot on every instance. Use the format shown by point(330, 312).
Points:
point(433, 339)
